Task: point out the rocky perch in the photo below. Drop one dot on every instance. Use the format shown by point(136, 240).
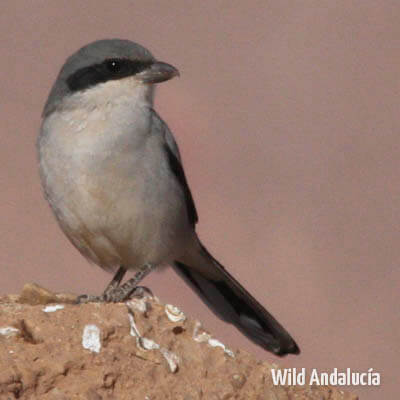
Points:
point(52, 349)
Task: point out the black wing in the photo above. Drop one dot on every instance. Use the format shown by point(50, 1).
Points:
point(176, 168)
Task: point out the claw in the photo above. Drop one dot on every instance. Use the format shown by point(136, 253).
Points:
point(88, 298)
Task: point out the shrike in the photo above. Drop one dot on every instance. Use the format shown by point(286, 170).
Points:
point(112, 174)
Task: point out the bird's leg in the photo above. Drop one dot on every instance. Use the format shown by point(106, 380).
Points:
point(115, 293)
point(116, 280)
point(130, 287)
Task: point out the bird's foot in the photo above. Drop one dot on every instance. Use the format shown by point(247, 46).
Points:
point(118, 295)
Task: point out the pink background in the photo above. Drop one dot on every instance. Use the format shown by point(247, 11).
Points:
point(287, 116)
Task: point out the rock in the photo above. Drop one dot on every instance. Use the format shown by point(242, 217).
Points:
point(52, 349)
point(34, 294)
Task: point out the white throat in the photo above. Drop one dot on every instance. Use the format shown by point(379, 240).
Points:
point(111, 93)
point(102, 121)
point(102, 114)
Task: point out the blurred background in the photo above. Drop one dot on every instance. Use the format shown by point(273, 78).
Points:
point(287, 117)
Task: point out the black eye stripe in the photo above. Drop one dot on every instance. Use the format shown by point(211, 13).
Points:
point(110, 69)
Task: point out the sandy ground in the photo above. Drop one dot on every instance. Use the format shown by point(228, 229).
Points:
point(140, 349)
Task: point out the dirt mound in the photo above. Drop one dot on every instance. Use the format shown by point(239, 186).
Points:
point(51, 349)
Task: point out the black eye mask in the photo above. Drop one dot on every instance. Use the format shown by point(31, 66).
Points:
point(111, 69)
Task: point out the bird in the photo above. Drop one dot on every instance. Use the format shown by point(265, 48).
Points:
point(112, 174)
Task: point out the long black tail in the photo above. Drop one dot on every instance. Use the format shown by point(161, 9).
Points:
point(231, 302)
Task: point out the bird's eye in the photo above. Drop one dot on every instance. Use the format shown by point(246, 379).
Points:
point(113, 65)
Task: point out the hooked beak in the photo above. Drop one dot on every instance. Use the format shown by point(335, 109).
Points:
point(157, 72)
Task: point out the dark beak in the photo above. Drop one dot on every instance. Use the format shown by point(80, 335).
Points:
point(157, 72)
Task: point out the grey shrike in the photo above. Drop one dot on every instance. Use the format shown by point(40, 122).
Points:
point(112, 174)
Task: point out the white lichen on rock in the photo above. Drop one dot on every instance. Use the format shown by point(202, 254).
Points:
point(53, 307)
point(216, 343)
point(91, 338)
point(203, 336)
point(200, 337)
point(149, 344)
point(174, 314)
point(9, 331)
point(171, 358)
point(138, 304)
point(134, 330)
